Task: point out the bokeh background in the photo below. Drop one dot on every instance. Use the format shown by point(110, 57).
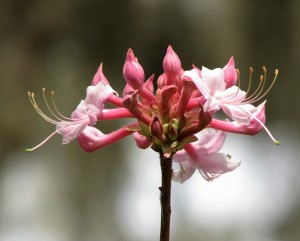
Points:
point(61, 193)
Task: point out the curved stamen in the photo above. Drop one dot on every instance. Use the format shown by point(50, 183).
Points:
point(262, 124)
point(257, 90)
point(43, 142)
point(56, 109)
point(267, 91)
point(46, 102)
point(38, 110)
point(250, 79)
point(260, 87)
point(47, 118)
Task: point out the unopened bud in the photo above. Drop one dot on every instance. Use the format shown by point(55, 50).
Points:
point(171, 63)
point(157, 129)
point(133, 72)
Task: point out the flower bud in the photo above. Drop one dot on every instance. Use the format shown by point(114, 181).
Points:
point(157, 129)
point(141, 141)
point(132, 71)
point(171, 62)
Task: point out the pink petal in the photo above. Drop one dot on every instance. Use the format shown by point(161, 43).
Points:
point(230, 74)
point(209, 141)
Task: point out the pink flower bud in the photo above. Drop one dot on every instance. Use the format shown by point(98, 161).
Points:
point(230, 74)
point(133, 72)
point(157, 129)
point(171, 62)
point(141, 141)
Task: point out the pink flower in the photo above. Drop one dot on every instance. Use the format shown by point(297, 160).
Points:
point(176, 118)
point(247, 118)
point(203, 156)
point(213, 87)
point(85, 114)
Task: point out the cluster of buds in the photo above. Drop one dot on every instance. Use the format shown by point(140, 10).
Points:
point(175, 116)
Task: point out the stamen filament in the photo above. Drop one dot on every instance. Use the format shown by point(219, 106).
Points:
point(43, 142)
point(257, 89)
point(269, 88)
point(250, 79)
point(56, 109)
point(263, 125)
point(39, 111)
point(263, 79)
point(267, 130)
point(49, 108)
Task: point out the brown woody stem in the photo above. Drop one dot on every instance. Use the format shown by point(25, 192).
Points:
point(165, 196)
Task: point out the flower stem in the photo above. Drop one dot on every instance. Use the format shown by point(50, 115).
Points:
point(165, 196)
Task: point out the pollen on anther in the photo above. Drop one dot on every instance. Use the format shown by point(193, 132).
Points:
point(261, 78)
point(52, 93)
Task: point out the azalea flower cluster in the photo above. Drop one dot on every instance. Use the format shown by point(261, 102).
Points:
point(176, 115)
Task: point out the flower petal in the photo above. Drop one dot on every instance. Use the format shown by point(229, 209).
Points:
point(183, 173)
point(214, 79)
point(71, 130)
point(240, 113)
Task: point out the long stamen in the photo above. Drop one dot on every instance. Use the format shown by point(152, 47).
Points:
point(56, 109)
point(269, 88)
point(263, 80)
point(267, 130)
point(38, 110)
point(43, 142)
point(250, 79)
point(263, 125)
point(258, 89)
point(49, 108)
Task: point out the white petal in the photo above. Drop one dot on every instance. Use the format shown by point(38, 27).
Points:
point(240, 113)
point(214, 79)
point(70, 130)
point(183, 173)
point(217, 163)
point(200, 84)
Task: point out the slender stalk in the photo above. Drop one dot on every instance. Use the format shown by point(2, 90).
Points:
point(165, 196)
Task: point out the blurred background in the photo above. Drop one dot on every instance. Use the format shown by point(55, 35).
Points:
point(61, 193)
